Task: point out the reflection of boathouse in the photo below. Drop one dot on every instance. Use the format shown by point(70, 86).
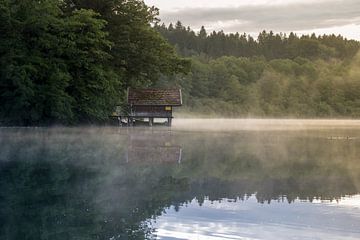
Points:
point(151, 104)
point(150, 148)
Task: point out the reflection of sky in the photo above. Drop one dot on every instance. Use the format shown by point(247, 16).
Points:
point(251, 220)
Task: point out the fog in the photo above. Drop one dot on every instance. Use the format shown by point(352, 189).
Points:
point(262, 124)
point(112, 181)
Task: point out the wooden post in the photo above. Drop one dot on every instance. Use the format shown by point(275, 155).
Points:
point(169, 122)
point(120, 122)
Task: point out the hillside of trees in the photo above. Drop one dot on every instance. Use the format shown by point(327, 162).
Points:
point(268, 44)
point(275, 75)
point(70, 62)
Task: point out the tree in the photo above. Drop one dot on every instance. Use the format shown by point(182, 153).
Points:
point(138, 49)
point(53, 66)
point(269, 44)
point(68, 62)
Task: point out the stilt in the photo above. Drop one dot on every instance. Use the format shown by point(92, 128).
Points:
point(169, 122)
point(130, 121)
point(120, 121)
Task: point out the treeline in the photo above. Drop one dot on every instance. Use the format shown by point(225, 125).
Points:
point(275, 75)
point(256, 87)
point(268, 44)
point(70, 61)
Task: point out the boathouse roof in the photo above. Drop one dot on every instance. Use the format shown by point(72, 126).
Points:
point(154, 97)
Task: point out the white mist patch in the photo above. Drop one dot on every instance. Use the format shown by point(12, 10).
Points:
point(262, 124)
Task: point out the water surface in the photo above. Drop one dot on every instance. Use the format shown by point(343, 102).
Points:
point(257, 180)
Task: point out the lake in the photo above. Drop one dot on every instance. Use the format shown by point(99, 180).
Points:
point(201, 179)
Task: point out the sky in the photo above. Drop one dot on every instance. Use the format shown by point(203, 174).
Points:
point(253, 16)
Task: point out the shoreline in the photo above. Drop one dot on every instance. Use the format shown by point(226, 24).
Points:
point(233, 124)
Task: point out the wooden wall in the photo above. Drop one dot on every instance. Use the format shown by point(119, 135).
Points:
point(152, 111)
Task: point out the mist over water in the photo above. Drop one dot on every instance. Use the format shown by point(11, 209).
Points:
point(200, 179)
point(263, 124)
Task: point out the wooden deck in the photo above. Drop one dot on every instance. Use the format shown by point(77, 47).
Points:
point(132, 120)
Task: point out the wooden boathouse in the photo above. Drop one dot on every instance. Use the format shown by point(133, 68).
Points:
point(151, 104)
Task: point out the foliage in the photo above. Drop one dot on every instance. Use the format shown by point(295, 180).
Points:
point(53, 66)
point(267, 44)
point(138, 48)
point(70, 62)
point(276, 75)
point(256, 87)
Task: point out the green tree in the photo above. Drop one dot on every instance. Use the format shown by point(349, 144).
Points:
point(53, 65)
point(138, 49)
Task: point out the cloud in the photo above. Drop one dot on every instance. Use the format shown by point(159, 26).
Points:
point(278, 17)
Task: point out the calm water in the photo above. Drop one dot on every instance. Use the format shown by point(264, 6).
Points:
point(229, 180)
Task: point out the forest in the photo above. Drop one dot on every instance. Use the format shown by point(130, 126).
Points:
point(275, 75)
point(70, 62)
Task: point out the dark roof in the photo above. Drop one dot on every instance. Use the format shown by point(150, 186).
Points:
point(156, 97)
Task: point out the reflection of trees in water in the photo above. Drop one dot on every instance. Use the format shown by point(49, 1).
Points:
point(47, 200)
point(49, 190)
point(74, 184)
point(274, 166)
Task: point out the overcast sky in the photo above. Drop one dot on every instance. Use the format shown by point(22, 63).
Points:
point(252, 16)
